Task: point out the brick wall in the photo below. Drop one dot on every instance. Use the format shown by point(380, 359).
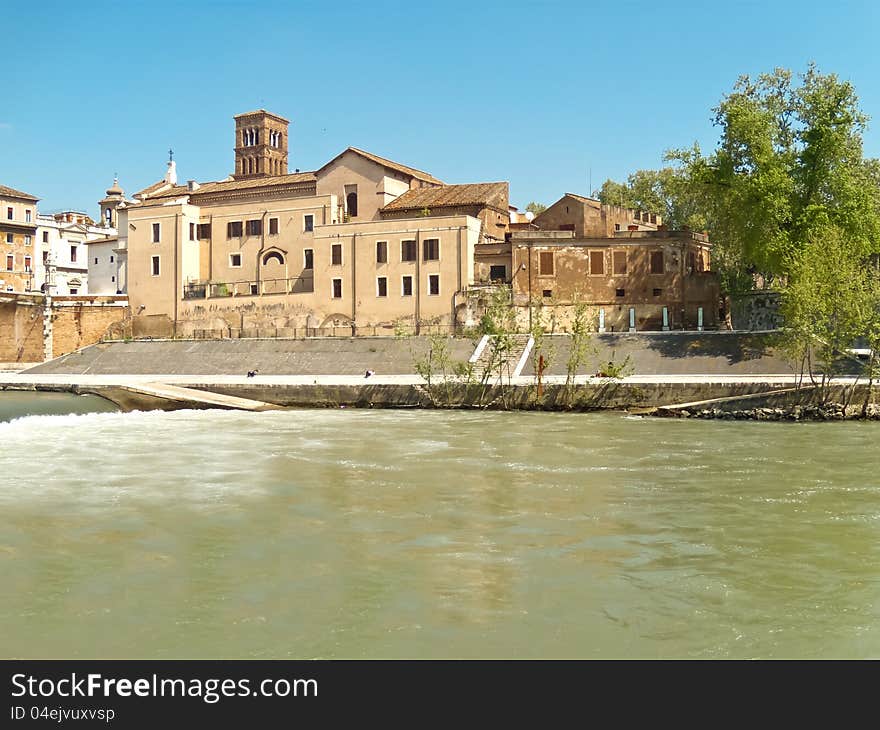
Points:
point(82, 324)
point(21, 332)
point(74, 324)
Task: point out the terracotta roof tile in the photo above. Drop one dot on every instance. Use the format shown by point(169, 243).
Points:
point(255, 182)
point(6, 192)
point(489, 194)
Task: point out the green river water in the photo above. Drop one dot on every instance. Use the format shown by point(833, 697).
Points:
point(358, 533)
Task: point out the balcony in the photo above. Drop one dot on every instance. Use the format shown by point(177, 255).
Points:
point(265, 287)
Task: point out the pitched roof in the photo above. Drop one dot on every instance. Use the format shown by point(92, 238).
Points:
point(13, 193)
point(261, 111)
point(390, 164)
point(149, 189)
point(583, 199)
point(177, 191)
point(487, 194)
point(255, 182)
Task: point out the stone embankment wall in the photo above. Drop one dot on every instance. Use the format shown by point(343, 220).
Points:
point(756, 312)
point(76, 322)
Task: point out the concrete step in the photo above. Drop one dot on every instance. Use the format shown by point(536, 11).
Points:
point(485, 357)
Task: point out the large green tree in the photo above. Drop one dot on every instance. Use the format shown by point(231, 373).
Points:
point(789, 164)
point(668, 191)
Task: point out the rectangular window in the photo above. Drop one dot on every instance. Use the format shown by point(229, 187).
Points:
point(407, 250)
point(273, 226)
point(112, 278)
point(308, 259)
point(617, 226)
point(498, 272)
point(9, 213)
point(233, 229)
point(619, 292)
point(203, 230)
point(10, 262)
point(96, 259)
point(27, 263)
point(657, 292)
point(597, 262)
point(27, 240)
point(111, 259)
point(74, 290)
point(192, 231)
point(308, 223)
point(10, 238)
point(406, 289)
point(337, 288)
point(156, 230)
point(619, 262)
point(155, 265)
point(27, 216)
point(547, 293)
point(254, 228)
point(235, 260)
point(545, 263)
point(336, 254)
point(45, 236)
point(381, 252)
point(45, 257)
point(656, 262)
point(431, 249)
point(433, 284)
point(382, 287)
point(73, 254)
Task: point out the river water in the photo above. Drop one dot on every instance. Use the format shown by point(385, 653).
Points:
point(358, 533)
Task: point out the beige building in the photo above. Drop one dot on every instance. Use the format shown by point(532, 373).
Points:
point(18, 231)
point(363, 243)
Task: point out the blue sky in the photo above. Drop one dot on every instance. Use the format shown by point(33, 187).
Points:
point(543, 94)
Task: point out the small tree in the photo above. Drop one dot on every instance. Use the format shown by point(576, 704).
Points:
point(825, 304)
point(581, 346)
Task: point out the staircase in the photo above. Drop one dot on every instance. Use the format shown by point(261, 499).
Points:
point(503, 365)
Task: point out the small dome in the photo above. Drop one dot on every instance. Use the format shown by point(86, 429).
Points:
point(115, 189)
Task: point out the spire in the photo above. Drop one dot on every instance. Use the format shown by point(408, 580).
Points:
point(171, 173)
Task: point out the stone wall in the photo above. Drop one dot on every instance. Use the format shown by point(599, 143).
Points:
point(75, 326)
point(76, 322)
point(21, 331)
point(756, 311)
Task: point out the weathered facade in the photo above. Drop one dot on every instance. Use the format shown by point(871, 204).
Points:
point(590, 218)
point(31, 333)
point(330, 248)
point(633, 281)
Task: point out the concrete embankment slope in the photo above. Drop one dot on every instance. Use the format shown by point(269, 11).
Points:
point(669, 368)
point(669, 353)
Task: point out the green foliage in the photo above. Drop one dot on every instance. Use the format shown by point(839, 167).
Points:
point(668, 192)
point(832, 298)
point(581, 346)
point(616, 370)
point(788, 166)
point(536, 208)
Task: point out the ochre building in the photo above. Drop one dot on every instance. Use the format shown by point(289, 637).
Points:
point(18, 231)
point(363, 243)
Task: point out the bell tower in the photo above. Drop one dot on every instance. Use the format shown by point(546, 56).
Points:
point(260, 145)
point(115, 196)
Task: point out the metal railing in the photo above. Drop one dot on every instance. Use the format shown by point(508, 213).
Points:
point(219, 290)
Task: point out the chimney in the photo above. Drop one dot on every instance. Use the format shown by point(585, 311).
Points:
point(192, 185)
